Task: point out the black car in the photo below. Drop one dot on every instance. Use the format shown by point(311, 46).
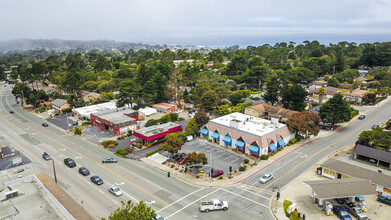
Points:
point(375, 126)
point(69, 162)
point(341, 213)
point(361, 117)
point(46, 156)
point(45, 124)
point(97, 180)
point(84, 171)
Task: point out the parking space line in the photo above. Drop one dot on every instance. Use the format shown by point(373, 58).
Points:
point(245, 198)
point(100, 191)
point(192, 203)
point(181, 199)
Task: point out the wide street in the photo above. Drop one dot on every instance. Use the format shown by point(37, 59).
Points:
point(170, 197)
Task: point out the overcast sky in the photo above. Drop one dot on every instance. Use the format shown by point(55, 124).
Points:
point(198, 22)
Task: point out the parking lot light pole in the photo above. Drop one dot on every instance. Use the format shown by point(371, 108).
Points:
point(279, 182)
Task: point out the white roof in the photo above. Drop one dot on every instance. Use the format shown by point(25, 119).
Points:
point(147, 111)
point(250, 124)
point(91, 109)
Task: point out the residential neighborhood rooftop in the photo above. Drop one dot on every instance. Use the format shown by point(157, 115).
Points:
point(254, 125)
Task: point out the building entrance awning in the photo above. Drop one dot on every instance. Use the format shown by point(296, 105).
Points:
point(272, 147)
point(254, 149)
point(227, 139)
point(215, 135)
point(204, 131)
point(240, 144)
point(281, 143)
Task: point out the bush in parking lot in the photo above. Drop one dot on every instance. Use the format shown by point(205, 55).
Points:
point(77, 131)
point(242, 168)
point(121, 152)
point(294, 215)
point(220, 177)
point(106, 143)
point(128, 150)
point(111, 146)
point(246, 161)
point(181, 119)
point(172, 165)
point(264, 157)
point(130, 133)
point(85, 123)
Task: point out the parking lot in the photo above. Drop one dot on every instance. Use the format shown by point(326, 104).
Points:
point(12, 155)
point(221, 159)
point(60, 121)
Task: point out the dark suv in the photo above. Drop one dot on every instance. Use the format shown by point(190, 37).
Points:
point(69, 162)
point(84, 171)
point(46, 156)
point(97, 180)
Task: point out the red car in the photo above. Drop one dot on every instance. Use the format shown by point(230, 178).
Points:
point(217, 173)
point(12, 112)
point(182, 160)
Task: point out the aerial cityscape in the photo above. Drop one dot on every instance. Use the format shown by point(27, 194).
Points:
point(156, 110)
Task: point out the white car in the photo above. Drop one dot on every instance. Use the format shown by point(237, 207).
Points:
point(115, 191)
point(266, 178)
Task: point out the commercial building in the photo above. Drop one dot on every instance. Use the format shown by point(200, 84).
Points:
point(150, 134)
point(165, 107)
point(381, 157)
point(248, 134)
point(337, 169)
point(117, 121)
point(85, 112)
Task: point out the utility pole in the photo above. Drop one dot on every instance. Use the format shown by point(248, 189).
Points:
point(279, 182)
point(54, 170)
point(21, 102)
point(66, 115)
point(210, 168)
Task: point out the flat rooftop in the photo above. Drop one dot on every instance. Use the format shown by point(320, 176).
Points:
point(250, 124)
point(31, 205)
point(157, 129)
point(118, 117)
point(87, 110)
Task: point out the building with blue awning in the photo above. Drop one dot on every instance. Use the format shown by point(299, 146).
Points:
point(248, 134)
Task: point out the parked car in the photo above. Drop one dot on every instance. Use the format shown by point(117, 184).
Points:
point(341, 213)
point(46, 156)
point(375, 126)
point(372, 161)
point(181, 160)
point(69, 162)
point(12, 112)
point(84, 171)
point(214, 204)
point(109, 160)
point(158, 217)
point(361, 117)
point(217, 173)
point(356, 211)
point(97, 180)
point(266, 178)
point(175, 158)
point(341, 200)
point(45, 124)
point(115, 191)
point(384, 199)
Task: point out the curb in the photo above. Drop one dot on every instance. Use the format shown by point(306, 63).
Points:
point(278, 159)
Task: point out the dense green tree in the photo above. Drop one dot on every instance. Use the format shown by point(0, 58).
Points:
point(347, 75)
point(129, 211)
point(209, 100)
point(273, 86)
point(238, 96)
point(335, 110)
point(192, 126)
point(194, 159)
point(333, 82)
point(201, 118)
point(376, 138)
point(293, 97)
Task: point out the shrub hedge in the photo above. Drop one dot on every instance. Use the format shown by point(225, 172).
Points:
point(121, 152)
point(246, 161)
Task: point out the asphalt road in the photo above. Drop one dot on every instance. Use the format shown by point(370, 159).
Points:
point(172, 198)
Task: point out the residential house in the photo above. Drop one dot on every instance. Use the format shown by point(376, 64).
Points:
point(60, 104)
point(355, 95)
point(267, 111)
point(330, 91)
point(92, 96)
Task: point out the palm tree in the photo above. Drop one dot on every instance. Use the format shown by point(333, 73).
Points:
point(321, 93)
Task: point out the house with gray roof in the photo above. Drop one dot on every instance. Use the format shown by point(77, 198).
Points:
point(59, 104)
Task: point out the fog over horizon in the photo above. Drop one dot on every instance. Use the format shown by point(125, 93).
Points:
point(207, 23)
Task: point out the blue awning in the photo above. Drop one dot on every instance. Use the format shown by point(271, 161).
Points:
point(204, 131)
point(281, 143)
point(240, 144)
point(215, 135)
point(227, 139)
point(272, 147)
point(254, 149)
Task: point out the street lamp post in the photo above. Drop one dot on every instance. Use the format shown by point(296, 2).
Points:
point(279, 182)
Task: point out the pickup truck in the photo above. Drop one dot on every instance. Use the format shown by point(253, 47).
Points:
point(356, 211)
point(384, 199)
point(215, 204)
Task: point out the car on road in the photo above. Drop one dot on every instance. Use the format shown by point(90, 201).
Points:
point(115, 191)
point(375, 126)
point(158, 217)
point(266, 178)
point(341, 213)
point(46, 156)
point(84, 171)
point(69, 162)
point(45, 124)
point(97, 180)
point(109, 160)
point(217, 173)
point(214, 204)
point(12, 112)
point(361, 117)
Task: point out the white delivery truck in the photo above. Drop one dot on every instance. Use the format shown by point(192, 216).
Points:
point(214, 204)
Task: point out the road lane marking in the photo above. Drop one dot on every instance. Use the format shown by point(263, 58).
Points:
point(325, 148)
point(133, 199)
point(115, 201)
point(101, 191)
point(245, 198)
point(78, 153)
point(192, 203)
point(253, 193)
point(181, 199)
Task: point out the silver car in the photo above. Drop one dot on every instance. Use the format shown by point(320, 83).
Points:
point(109, 160)
point(266, 178)
point(115, 191)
